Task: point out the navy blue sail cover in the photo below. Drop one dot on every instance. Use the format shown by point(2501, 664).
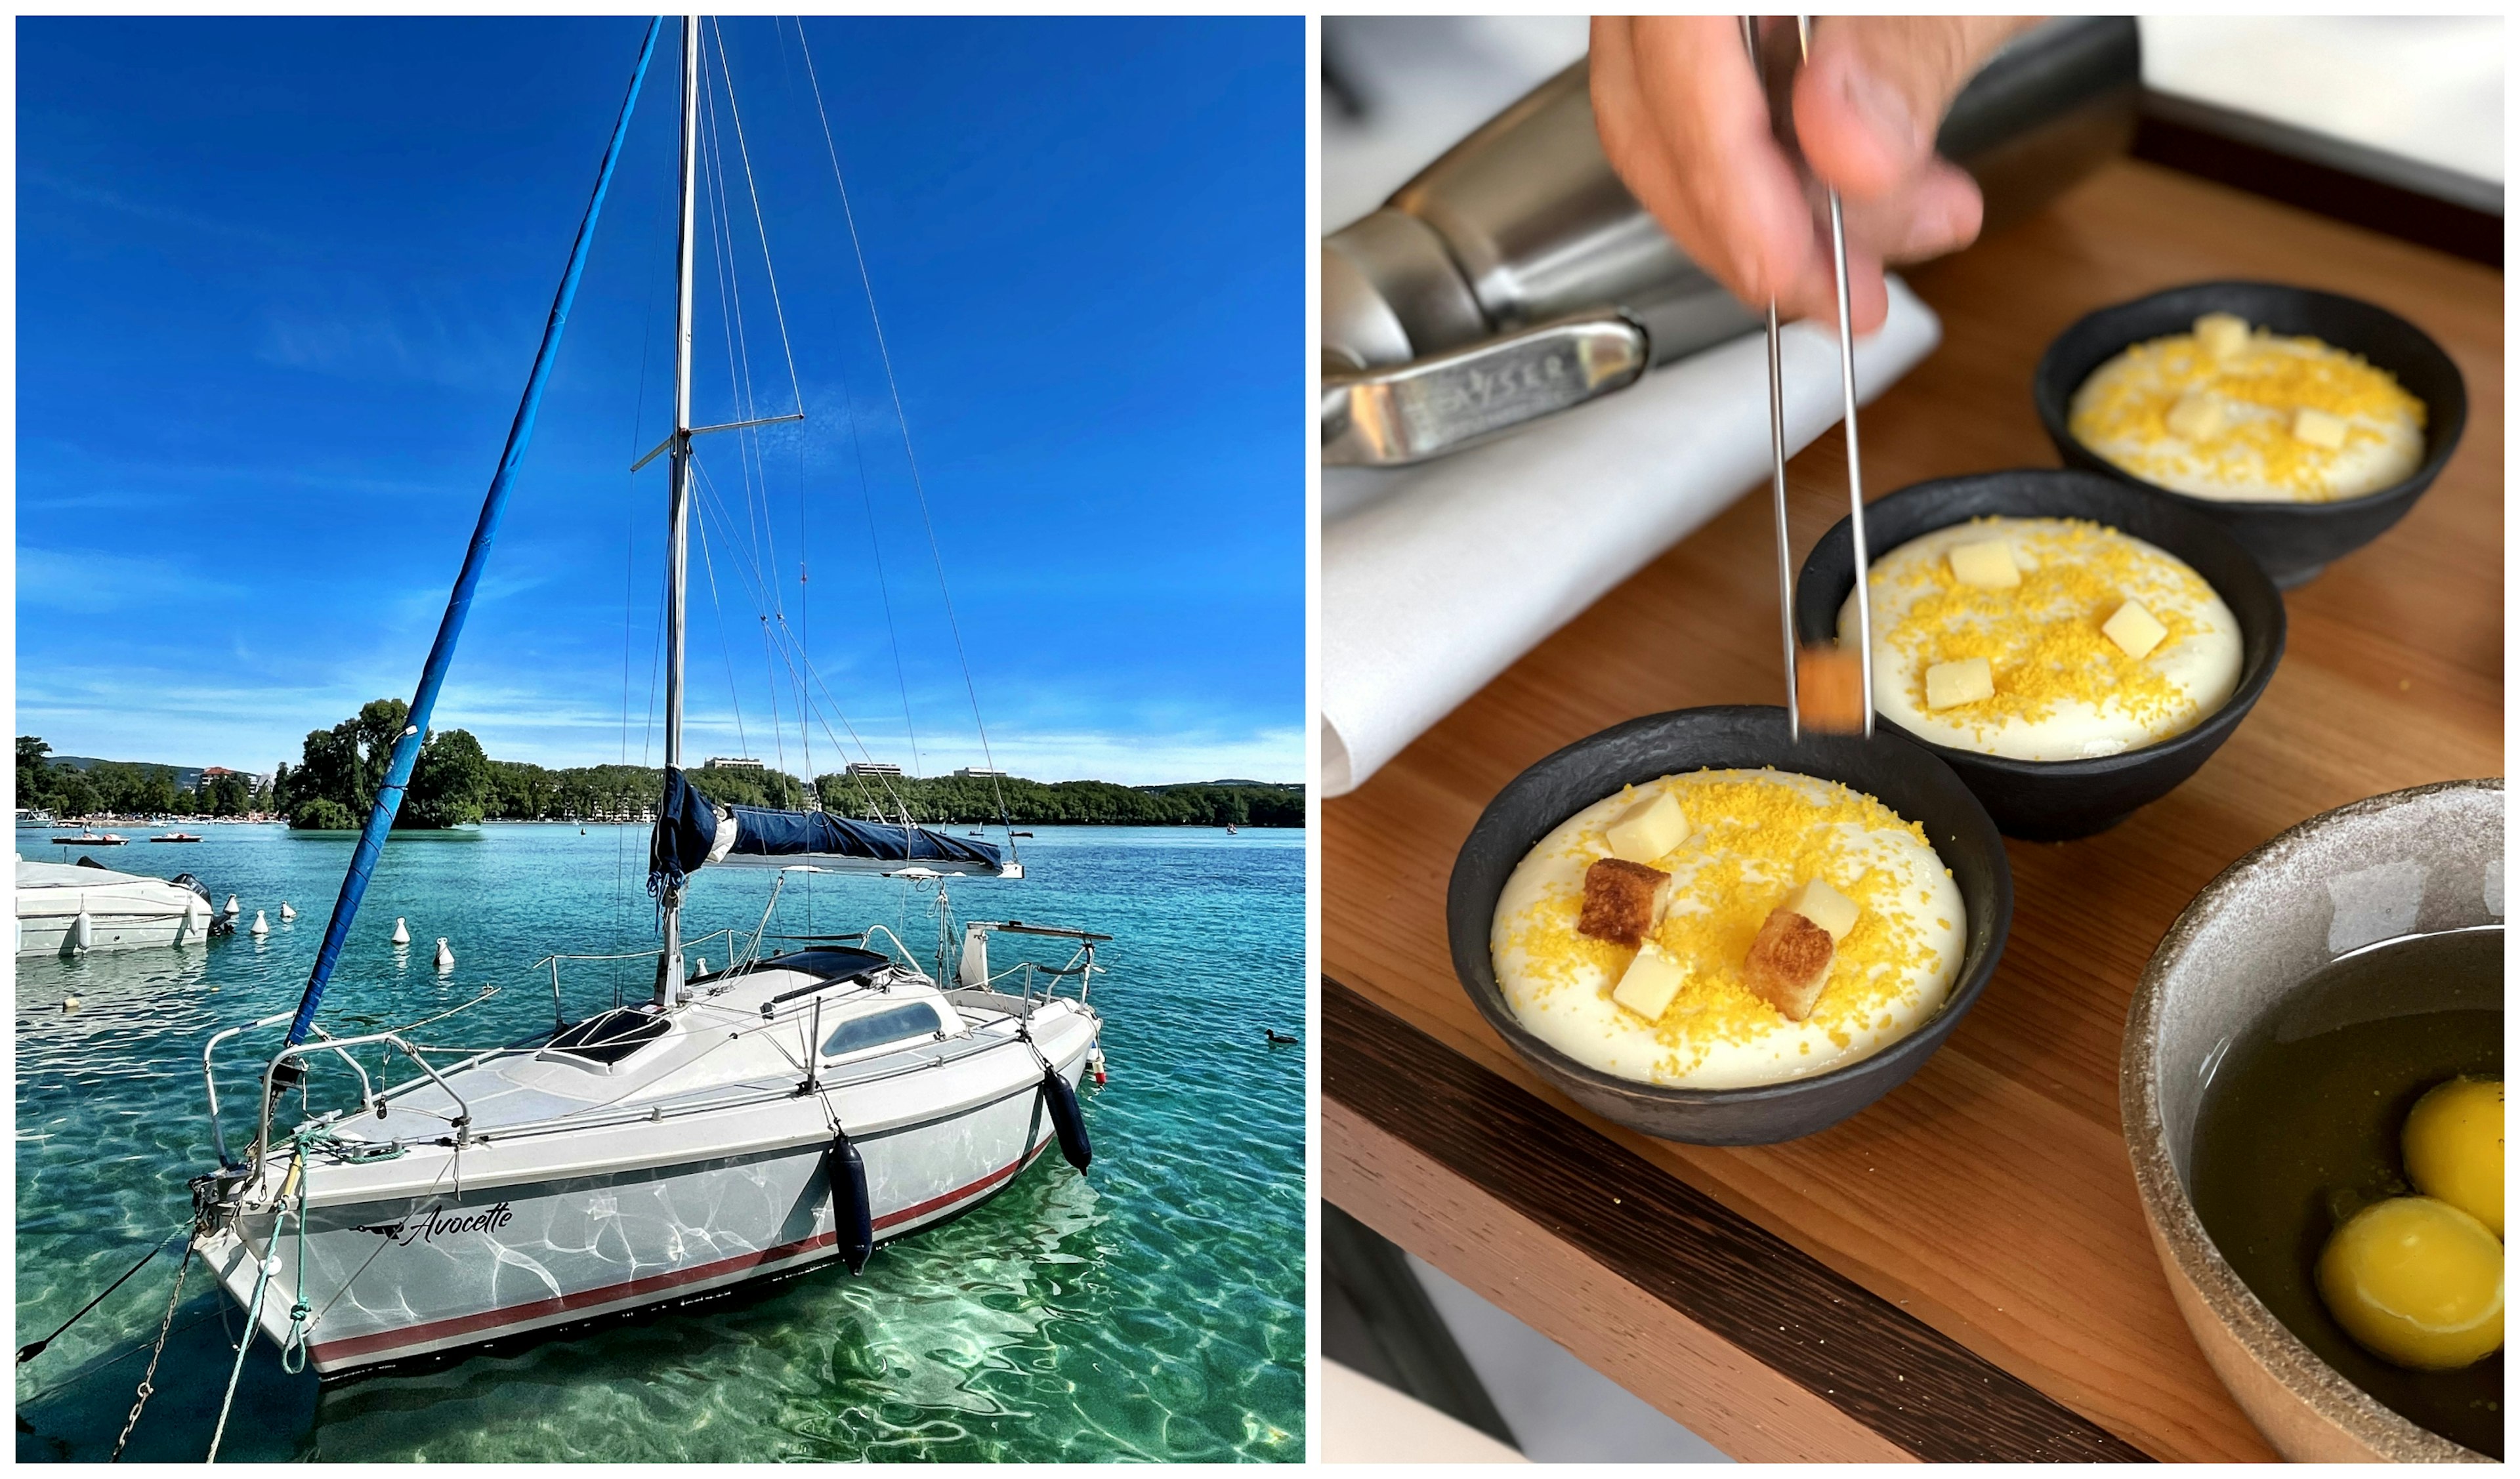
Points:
point(686, 829)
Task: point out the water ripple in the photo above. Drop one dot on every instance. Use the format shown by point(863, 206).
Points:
point(1154, 1311)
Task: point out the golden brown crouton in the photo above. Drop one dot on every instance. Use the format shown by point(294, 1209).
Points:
point(1619, 901)
point(1789, 963)
point(1828, 688)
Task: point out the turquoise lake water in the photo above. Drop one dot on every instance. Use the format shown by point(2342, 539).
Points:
point(1153, 1310)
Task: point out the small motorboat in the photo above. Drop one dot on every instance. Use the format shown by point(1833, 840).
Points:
point(66, 908)
point(177, 836)
point(91, 837)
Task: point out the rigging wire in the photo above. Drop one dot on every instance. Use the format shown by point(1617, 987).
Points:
point(752, 437)
point(739, 359)
point(662, 287)
point(629, 604)
point(885, 350)
point(785, 646)
point(755, 583)
point(762, 230)
point(735, 698)
point(875, 541)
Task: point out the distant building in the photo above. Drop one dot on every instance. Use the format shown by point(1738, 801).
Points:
point(873, 768)
point(978, 773)
point(733, 762)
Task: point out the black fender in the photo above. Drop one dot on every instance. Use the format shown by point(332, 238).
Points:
point(1067, 1118)
point(852, 1214)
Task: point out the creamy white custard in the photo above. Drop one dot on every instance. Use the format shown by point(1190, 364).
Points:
point(2229, 426)
point(1754, 838)
point(2063, 690)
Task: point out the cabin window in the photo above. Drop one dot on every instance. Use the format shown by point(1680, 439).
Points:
point(893, 1024)
point(611, 1036)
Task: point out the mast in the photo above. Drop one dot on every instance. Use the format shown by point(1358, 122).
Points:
point(669, 968)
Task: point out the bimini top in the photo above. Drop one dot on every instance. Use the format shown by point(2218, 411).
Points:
point(693, 832)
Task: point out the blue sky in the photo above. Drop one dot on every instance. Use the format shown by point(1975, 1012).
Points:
point(279, 283)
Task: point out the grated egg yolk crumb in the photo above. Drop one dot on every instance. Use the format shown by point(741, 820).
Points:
point(2280, 376)
point(1759, 840)
point(2044, 638)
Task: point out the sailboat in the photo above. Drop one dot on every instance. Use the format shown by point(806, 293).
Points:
point(787, 1109)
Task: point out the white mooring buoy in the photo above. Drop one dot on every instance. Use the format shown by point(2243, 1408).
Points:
point(287, 914)
point(402, 931)
point(261, 926)
point(69, 1004)
point(445, 956)
point(232, 911)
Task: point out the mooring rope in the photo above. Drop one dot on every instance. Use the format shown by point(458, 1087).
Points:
point(263, 1276)
point(28, 1353)
point(252, 1322)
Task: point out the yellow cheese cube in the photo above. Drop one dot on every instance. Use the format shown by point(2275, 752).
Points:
point(1987, 564)
point(1654, 978)
point(2198, 416)
point(2318, 428)
point(1951, 684)
point(2134, 630)
point(2223, 334)
point(1824, 906)
point(1648, 831)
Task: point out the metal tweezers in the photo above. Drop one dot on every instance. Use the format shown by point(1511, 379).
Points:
point(1854, 453)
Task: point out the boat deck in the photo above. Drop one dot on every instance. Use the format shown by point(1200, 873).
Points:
point(742, 1039)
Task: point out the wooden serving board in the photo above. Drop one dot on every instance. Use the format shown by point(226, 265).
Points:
point(1978, 1228)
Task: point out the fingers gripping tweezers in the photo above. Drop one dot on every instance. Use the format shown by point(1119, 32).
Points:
point(1794, 652)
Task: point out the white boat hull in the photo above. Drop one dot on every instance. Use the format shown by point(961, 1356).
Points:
point(534, 1240)
point(123, 910)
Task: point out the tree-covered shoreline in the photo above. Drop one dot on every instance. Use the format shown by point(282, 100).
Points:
point(455, 783)
point(121, 788)
point(527, 792)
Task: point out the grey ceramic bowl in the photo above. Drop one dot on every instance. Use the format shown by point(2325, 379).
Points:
point(1899, 774)
point(2410, 861)
point(2293, 541)
point(2052, 800)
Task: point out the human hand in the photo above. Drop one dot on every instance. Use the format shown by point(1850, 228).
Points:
point(1685, 122)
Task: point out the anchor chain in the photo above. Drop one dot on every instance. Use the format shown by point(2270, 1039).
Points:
point(148, 1377)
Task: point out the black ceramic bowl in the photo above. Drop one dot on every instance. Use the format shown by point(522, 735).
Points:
point(2293, 541)
point(2050, 799)
point(1898, 774)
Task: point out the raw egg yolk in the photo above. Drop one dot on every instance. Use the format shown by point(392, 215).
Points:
point(2417, 1282)
point(2454, 1147)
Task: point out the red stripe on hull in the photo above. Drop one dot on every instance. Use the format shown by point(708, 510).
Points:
point(330, 1352)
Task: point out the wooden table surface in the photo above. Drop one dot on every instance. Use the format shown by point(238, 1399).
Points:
point(1986, 1209)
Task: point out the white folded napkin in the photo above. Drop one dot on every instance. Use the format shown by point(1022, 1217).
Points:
point(1436, 577)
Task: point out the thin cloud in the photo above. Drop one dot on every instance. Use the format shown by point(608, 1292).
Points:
point(93, 582)
point(147, 210)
